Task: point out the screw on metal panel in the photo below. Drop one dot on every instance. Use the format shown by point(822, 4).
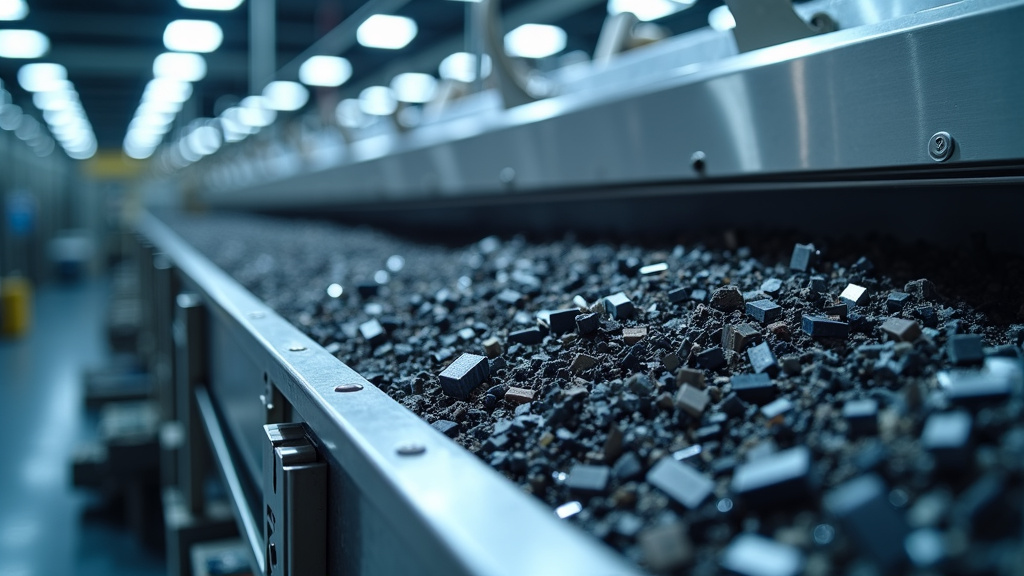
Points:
point(940, 146)
point(411, 449)
point(256, 314)
point(348, 387)
point(698, 161)
point(822, 23)
point(507, 175)
point(297, 348)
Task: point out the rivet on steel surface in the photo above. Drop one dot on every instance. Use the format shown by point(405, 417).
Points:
point(698, 161)
point(256, 315)
point(297, 348)
point(411, 449)
point(940, 146)
point(507, 175)
point(348, 387)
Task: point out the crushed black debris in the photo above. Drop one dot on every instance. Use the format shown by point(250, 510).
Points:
point(818, 408)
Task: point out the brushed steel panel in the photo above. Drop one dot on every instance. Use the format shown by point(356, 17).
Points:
point(864, 98)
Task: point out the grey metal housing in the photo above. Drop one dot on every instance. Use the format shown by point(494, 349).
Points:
point(866, 98)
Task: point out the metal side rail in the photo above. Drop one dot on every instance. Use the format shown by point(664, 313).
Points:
point(401, 497)
point(248, 527)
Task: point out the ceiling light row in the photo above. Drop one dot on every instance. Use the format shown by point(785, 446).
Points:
point(163, 98)
point(55, 96)
point(258, 111)
point(210, 4)
point(173, 75)
point(647, 10)
point(13, 9)
point(23, 44)
point(161, 102)
point(25, 127)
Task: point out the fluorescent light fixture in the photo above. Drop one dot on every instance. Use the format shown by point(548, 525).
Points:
point(42, 76)
point(158, 107)
point(385, 31)
point(461, 67)
point(256, 112)
point(25, 44)
point(193, 36)
point(13, 9)
point(378, 101)
point(232, 126)
point(721, 19)
point(59, 118)
point(28, 129)
point(349, 114)
point(187, 152)
point(153, 119)
point(210, 4)
point(181, 66)
point(414, 87)
point(55, 100)
point(535, 41)
point(647, 10)
point(329, 71)
point(204, 140)
point(137, 150)
point(285, 96)
point(10, 117)
point(83, 151)
point(167, 90)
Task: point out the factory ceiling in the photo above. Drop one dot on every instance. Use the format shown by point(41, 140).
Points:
point(108, 47)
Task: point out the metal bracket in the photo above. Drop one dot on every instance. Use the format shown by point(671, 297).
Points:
point(295, 503)
point(511, 81)
point(763, 23)
point(274, 403)
point(190, 343)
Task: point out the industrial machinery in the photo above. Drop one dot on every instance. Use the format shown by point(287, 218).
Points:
point(828, 117)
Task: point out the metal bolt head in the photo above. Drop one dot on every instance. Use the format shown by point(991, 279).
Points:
point(410, 449)
point(348, 387)
point(297, 348)
point(940, 146)
point(698, 161)
point(507, 175)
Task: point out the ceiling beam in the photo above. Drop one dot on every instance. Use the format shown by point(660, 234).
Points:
point(150, 28)
point(88, 61)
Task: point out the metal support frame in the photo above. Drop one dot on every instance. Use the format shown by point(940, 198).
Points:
point(190, 344)
point(147, 332)
point(294, 498)
point(262, 43)
point(163, 309)
point(763, 23)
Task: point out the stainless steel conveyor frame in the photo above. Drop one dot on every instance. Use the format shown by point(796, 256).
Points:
point(398, 497)
point(384, 493)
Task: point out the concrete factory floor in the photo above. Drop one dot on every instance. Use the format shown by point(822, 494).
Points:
point(46, 526)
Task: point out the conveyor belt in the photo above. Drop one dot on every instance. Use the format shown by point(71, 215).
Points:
point(771, 429)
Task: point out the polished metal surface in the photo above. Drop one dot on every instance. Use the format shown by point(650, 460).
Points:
point(865, 98)
point(439, 510)
point(248, 527)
